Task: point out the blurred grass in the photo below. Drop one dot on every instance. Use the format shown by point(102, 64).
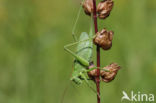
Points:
point(34, 68)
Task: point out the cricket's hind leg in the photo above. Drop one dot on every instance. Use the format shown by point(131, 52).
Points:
point(75, 24)
point(72, 44)
point(74, 54)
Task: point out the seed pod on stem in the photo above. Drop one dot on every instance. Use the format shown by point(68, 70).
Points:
point(109, 76)
point(87, 6)
point(92, 74)
point(104, 8)
point(104, 39)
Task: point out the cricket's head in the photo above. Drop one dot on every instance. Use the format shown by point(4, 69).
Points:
point(76, 80)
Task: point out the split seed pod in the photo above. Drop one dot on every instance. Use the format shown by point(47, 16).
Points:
point(104, 39)
point(88, 6)
point(104, 8)
point(109, 76)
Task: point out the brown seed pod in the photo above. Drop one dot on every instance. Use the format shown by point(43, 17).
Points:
point(92, 74)
point(88, 6)
point(109, 76)
point(104, 8)
point(104, 39)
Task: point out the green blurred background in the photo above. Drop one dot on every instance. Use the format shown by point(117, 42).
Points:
point(34, 68)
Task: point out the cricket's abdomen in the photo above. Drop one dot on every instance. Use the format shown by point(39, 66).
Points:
point(84, 50)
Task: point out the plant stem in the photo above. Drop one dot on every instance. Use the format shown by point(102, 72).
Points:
point(98, 53)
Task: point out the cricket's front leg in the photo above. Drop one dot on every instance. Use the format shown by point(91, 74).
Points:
point(93, 68)
point(92, 71)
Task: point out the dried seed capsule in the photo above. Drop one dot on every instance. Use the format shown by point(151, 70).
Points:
point(92, 74)
point(104, 39)
point(104, 8)
point(88, 6)
point(109, 76)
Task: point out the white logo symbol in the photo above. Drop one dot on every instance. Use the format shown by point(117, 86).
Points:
point(137, 97)
point(125, 96)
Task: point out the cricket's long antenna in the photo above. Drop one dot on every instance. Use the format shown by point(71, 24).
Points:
point(96, 68)
point(66, 88)
point(75, 24)
point(91, 24)
point(74, 27)
point(64, 92)
point(68, 45)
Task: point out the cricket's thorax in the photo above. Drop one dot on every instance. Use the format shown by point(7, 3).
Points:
point(84, 50)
